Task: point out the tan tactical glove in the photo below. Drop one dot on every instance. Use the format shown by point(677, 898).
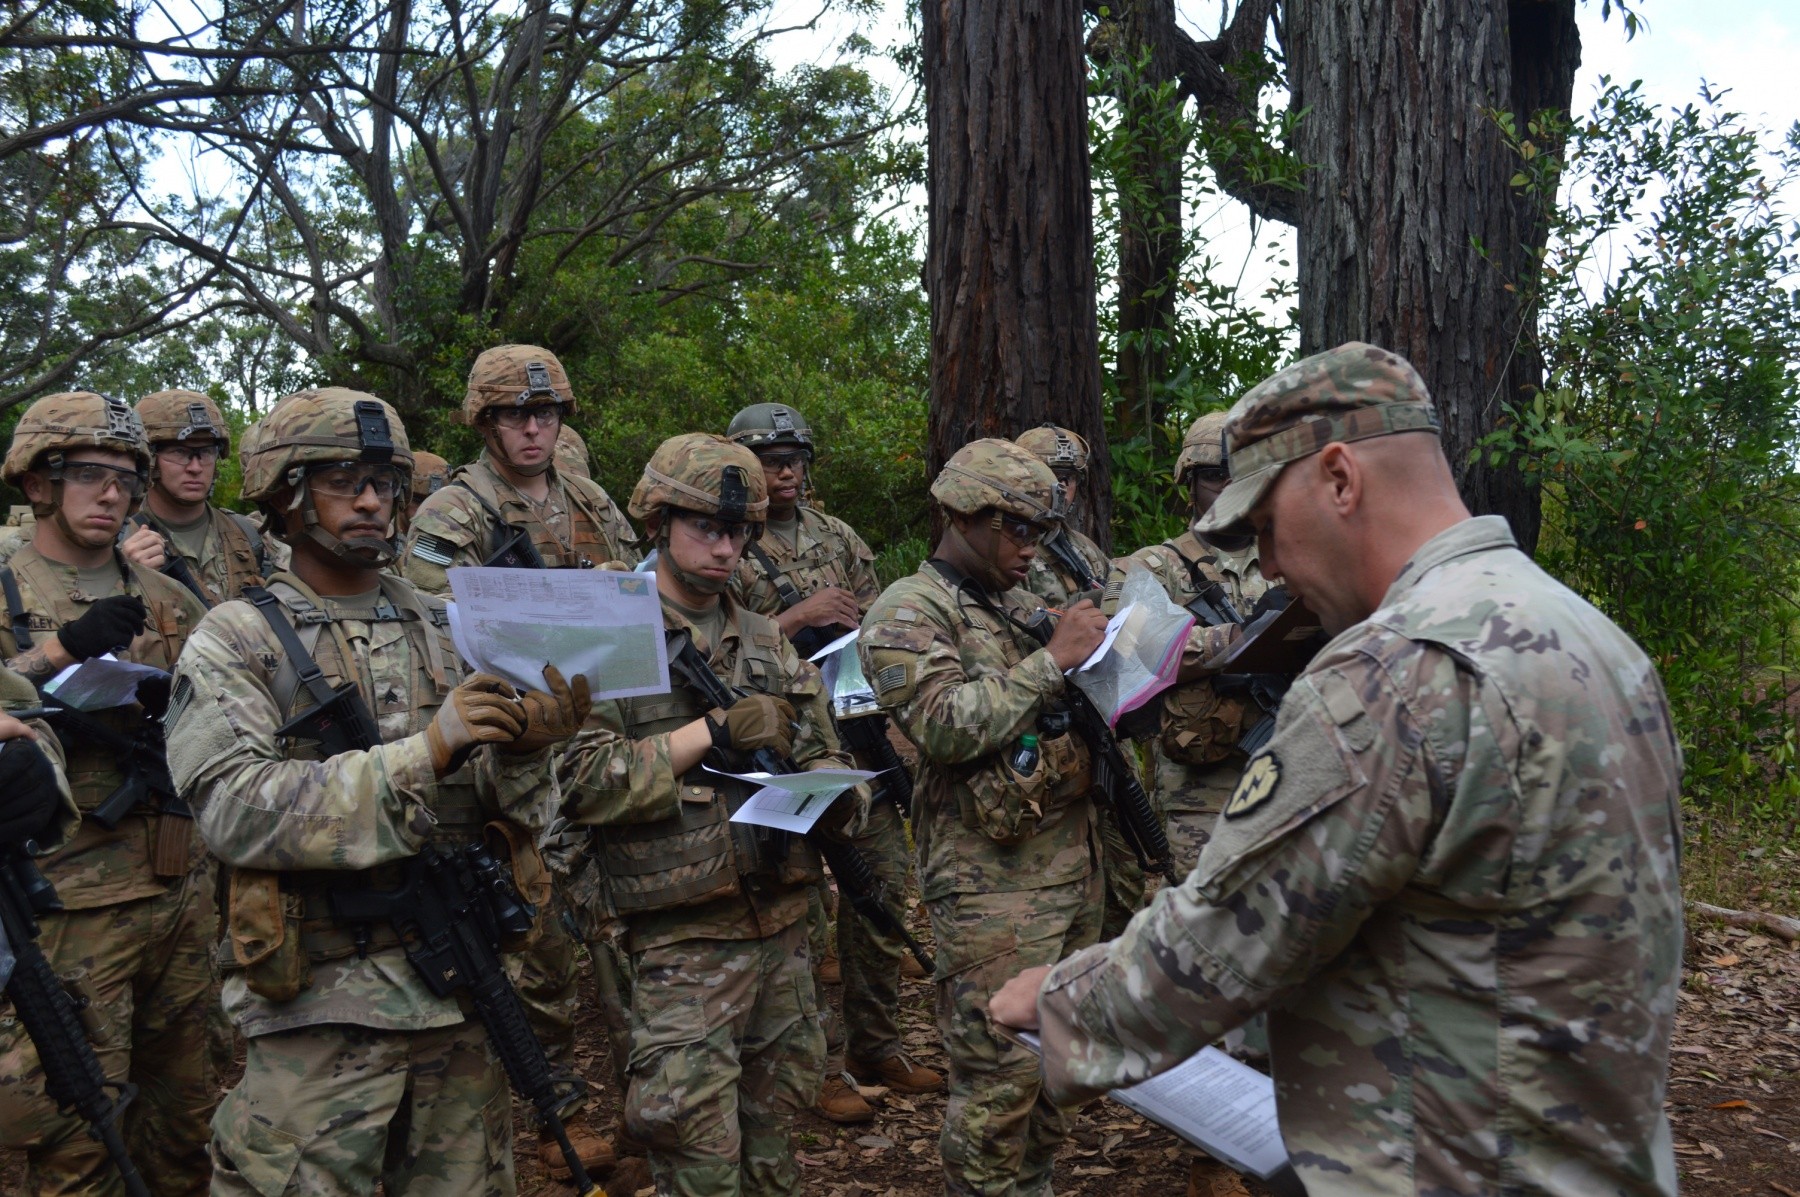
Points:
point(551, 717)
point(752, 722)
point(483, 710)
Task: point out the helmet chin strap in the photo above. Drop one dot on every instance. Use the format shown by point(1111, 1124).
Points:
point(364, 552)
point(694, 582)
point(985, 571)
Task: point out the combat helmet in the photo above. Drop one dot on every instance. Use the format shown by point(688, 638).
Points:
point(429, 474)
point(1058, 448)
point(1204, 445)
point(514, 376)
point(58, 424)
point(767, 425)
point(182, 416)
point(323, 427)
point(1002, 475)
point(707, 475)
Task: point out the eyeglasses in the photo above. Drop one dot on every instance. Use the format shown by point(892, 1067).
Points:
point(349, 481)
point(189, 454)
point(548, 415)
point(91, 475)
point(1023, 533)
point(791, 459)
point(1211, 475)
point(711, 531)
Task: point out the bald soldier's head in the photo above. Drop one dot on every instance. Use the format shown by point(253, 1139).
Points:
point(1337, 469)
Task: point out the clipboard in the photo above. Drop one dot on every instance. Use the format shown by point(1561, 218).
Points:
point(1279, 642)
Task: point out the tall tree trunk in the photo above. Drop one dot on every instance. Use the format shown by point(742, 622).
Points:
point(1150, 232)
point(1010, 262)
point(1408, 187)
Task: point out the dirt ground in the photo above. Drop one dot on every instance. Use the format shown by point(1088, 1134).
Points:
point(1734, 1099)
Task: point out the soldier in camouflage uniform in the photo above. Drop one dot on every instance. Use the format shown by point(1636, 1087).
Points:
point(138, 917)
point(725, 1039)
point(356, 1072)
point(213, 552)
point(1196, 755)
point(37, 810)
point(430, 473)
point(1058, 584)
point(572, 454)
point(1450, 877)
point(814, 576)
point(1008, 858)
point(519, 398)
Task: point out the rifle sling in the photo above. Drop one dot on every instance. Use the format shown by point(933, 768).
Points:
point(790, 594)
point(15, 608)
point(311, 676)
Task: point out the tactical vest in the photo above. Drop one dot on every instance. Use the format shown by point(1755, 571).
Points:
point(242, 560)
point(698, 854)
point(596, 530)
point(460, 817)
point(34, 595)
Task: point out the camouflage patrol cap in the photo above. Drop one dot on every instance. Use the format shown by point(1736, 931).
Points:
point(430, 472)
point(182, 416)
point(1058, 448)
point(700, 472)
point(320, 427)
point(1351, 393)
point(572, 453)
point(1002, 475)
point(515, 376)
point(74, 420)
point(766, 425)
point(1204, 444)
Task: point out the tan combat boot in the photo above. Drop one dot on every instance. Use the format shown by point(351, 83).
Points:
point(899, 1072)
point(840, 1102)
point(830, 971)
point(594, 1149)
point(1207, 1177)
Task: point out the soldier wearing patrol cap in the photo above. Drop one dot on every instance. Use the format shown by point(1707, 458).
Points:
point(356, 1070)
point(213, 552)
point(1068, 564)
point(514, 506)
point(137, 919)
point(725, 1041)
point(815, 576)
point(1450, 877)
point(430, 473)
point(1003, 818)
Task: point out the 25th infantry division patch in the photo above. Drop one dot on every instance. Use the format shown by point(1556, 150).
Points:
point(1256, 786)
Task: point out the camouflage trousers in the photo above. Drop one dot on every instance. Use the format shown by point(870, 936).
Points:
point(1000, 1135)
point(725, 1050)
point(1124, 878)
point(144, 967)
point(868, 959)
point(547, 976)
point(332, 1109)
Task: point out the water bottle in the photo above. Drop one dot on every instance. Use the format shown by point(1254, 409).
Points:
point(1025, 756)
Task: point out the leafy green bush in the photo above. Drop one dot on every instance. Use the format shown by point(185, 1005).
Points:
point(1665, 436)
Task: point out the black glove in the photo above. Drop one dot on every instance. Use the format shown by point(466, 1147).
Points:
point(28, 793)
point(112, 623)
point(153, 695)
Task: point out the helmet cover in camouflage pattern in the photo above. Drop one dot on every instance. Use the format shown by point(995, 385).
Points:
point(1002, 475)
point(767, 425)
point(1351, 393)
point(572, 453)
point(430, 472)
point(1058, 448)
point(321, 427)
point(186, 416)
point(1204, 444)
point(700, 472)
point(515, 376)
point(74, 420)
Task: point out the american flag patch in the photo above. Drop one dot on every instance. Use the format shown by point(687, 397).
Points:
point(434, 549)
point(890, 677)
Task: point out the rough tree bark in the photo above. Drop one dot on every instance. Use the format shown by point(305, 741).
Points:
point(1408, 187)
point(1010, 262)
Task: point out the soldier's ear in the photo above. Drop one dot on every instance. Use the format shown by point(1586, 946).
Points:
point(36, 487)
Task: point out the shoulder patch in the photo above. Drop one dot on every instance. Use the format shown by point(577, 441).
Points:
point(435, 549)
point(1256, 786)
point(890, 678)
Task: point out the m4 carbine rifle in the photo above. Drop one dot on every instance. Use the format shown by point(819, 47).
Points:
point(855, 878)
point(73, 1078)
point(451, 912)
point(1063, 550)
point(138, 752)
